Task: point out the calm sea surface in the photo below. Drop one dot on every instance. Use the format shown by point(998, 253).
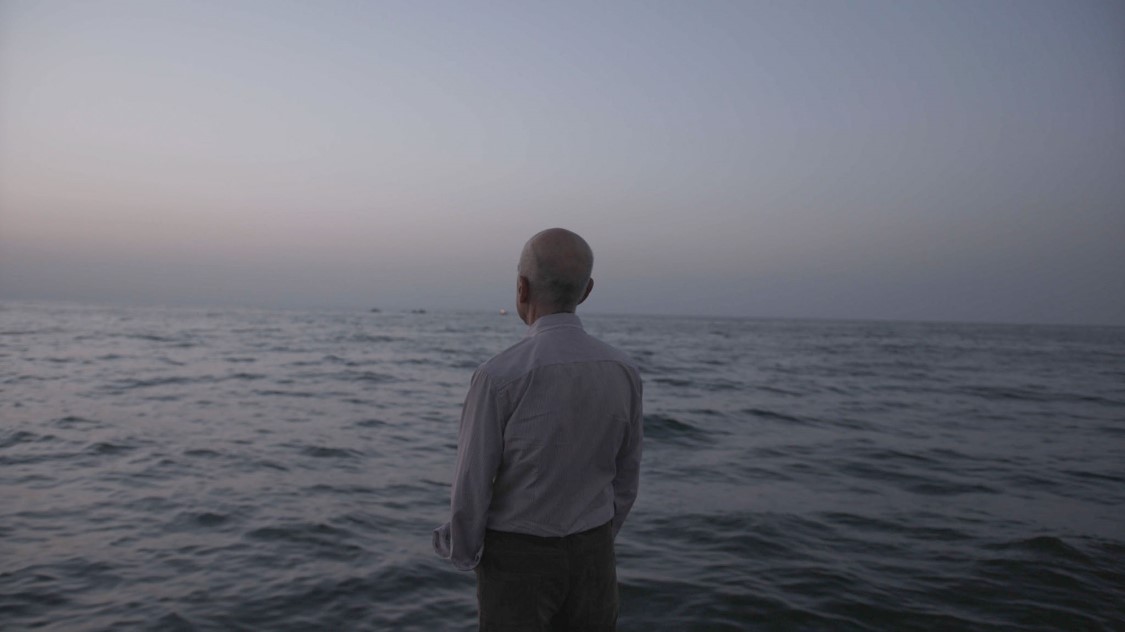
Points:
point(182, 469)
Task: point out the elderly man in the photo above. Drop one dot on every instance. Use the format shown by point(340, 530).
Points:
point(548, 458)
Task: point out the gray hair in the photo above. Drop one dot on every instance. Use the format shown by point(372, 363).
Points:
point(557, 264)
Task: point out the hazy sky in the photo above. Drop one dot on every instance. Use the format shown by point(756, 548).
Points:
point(947, 160)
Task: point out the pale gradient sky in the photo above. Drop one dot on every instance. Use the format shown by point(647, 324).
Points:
point(952, 160)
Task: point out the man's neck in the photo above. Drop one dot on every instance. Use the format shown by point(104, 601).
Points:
point(535, 312)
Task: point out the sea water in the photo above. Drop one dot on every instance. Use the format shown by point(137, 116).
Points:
point(238, 469)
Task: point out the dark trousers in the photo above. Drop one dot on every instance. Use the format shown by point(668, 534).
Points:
point(529, 583)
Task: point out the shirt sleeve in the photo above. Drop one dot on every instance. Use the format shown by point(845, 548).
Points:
point(480, 444)
point(627, 479)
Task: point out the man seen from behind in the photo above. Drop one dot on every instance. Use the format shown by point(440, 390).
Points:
point(548, 458)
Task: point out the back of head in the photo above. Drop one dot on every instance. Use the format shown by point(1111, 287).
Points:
point(557, 264)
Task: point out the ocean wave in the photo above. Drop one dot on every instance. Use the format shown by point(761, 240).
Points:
point(916, 477)
point(1046, 545)
point(130, 384)
point(673, 381)
point(192, 520)
point(363, 377)
point(108, 448)
point(774, 415)
point(78, 422)
point(325, 452)
point(1032, 394)
point(664, 428)
point(268, 392)
point(10, 438)
point(369, 338)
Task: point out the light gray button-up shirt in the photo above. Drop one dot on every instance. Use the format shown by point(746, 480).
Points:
point(550, 441)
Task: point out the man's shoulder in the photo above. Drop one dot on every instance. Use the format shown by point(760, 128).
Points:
point(551, 348)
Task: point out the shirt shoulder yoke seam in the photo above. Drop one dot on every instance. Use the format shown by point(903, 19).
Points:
point(505, 384)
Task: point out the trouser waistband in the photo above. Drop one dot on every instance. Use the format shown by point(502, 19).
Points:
point(573, 538)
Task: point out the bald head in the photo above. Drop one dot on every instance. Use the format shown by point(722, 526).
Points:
point(557, 264)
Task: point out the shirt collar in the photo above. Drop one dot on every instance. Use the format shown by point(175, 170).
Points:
point(553, 321)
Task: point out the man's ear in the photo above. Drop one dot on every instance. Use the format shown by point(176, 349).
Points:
point(523, 290)
point(589, 288)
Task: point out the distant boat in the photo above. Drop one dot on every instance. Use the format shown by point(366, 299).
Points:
point(375, 310)
point(503, 312)
point(417, 311)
